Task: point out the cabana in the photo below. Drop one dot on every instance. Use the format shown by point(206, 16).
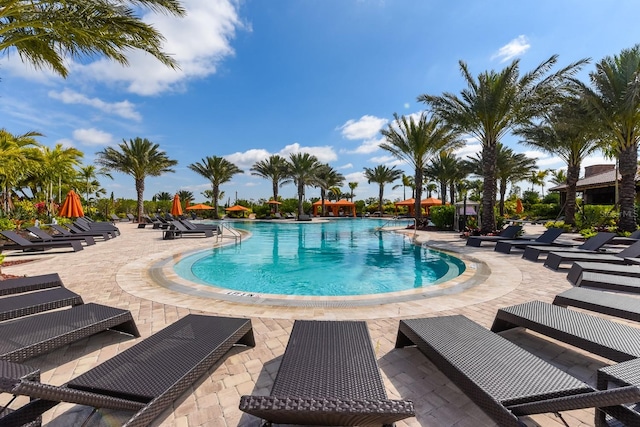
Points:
point(318, 206)
point(464, 209)
point(343, 205)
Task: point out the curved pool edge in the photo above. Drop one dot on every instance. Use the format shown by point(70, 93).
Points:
point(163, 274)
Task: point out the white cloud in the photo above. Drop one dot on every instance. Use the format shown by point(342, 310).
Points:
point(124, 109)
point(365, 128)
point(247, 159)
point(198, 41)
point(469, 149)
point(66, 143)
point(347, 166)
point(92, 137)
point(324, 154)
point(533, 154)
point(367, 147)
point(515, 47)
point(355, 177)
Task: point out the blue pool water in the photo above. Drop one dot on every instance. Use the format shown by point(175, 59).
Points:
point(335, 258)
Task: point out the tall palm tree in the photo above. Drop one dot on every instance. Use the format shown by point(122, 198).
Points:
point(511, 167)
point(88, 175)
point(407, 181)
point(217, 170)
point(446, 169)
point(163, 196)
point(614, 102)
point(558, 177)
point(430, 188)
point(273, 168)
point(352, 186)
point(301, 170)
point(494, 104)
point(415, 142)
point(46, 33)
point(57, 166)
point(328, 179)
point(566, 131)
point(382, 175)
point(15, 161)
point(139, 158)
point(186, 196)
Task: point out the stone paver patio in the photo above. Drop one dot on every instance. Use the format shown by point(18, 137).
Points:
point(122, 272)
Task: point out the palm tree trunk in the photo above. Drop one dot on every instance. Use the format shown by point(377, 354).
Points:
point(573, 174)
point(140, 193)
point(489, 191)
point(300, 197)
point(275, 194)
point(503, 192)
point(452, 194)
point(418, 206)
point(216, 196)
point(380, 195)
point(628, 168)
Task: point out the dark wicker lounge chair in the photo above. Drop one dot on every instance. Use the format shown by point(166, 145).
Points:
point(328, 376)
point(31, 336)
point(46, 237)
point(304, 217)
point(508, 233)
point(146, 378)
point(612, 340)
point(192, 226)
point(86, 225)
point(555, 259)
point(546, 238)
point(36, 302)
point(591, 245)
point(610, 282)
point(504, 380)
point(180, 229)
point(73, 231)
point(578, 267)
point(600, 302)
point(31, 283)
point(26, 245)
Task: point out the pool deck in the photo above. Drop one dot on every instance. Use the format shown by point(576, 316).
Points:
point(120, 273)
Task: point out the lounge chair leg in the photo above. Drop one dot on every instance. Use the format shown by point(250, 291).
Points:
point(84, 424)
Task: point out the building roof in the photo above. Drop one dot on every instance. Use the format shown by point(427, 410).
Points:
point(605, 179)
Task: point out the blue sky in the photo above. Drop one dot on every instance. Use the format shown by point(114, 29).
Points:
point(265, 77)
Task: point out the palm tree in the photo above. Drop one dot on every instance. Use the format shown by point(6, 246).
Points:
point(382, 175)
point(352, 186)
point(566, 131)
point(88, 175)
point(511, 167)
point(139, 158)
point(275, 169)
point(15, 161)
point(327, 178)
point(495, 104)
point(301, 170)
point(447, 169)
point(407, 181)
point(415, 142)
point(430, 187)
point(186, 196)
point(614, 103)
point(218, 170)
point(47, 33)
point(163, 196)
point(57, 165)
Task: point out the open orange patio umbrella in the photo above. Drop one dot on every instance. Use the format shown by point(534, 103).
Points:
point(71, 207)
point(176, 207)
point(199, 206)
point(236, 208)
point(410, 203)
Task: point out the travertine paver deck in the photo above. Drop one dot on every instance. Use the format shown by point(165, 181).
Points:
point(116, 272)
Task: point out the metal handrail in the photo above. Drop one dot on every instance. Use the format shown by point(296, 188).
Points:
point(395, 221)
point(235, 234)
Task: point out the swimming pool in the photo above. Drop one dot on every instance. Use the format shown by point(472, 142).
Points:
point(334, 258)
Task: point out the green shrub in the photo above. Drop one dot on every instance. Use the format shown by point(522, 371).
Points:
point(588, 232)
point(552, 198)
point(558, 224)
point(596, 216)
point(442, 216)
point(544, 210)
point(7, 224)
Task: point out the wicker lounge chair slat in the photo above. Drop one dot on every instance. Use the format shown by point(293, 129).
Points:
point(591, 245)
point(601, 267)
point(21, 339)
point(612, 340)
point(35, 302)
point(555, 259)
point(611, 282)
point(508, 233)
point(600, 302)
point(30, 283)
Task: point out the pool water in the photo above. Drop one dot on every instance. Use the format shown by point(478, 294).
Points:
point(335, 258)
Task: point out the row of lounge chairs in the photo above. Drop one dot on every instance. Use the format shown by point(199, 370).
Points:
point(329, 374)
point(74, 236)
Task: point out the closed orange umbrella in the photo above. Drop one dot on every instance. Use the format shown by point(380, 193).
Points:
point(176, 207)
point(71, 207)
point(519, 207)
